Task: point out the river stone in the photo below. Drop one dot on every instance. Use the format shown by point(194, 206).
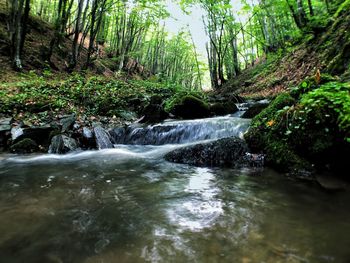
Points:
point(223, 108)
point(254, 110)
point(87, 138)
point(62, 144)
point(5, 124)
point(87, 133)
point(5, 131)
point(26, 145)
point(102, 138)
point(68, 122)
point(41, 134)
point(154, 113)
point(227, 152)
point(16, 132)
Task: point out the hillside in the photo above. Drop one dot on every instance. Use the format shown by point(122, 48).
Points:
point(327, 50)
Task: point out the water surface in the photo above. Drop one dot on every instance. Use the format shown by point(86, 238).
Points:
point(129, 205)
point(123, 206)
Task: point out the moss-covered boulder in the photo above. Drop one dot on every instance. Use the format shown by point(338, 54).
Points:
point(223, 108)
point(254, 110)
point(310, 131)
point(26, 145)
point(190, 107)
point(154, 112)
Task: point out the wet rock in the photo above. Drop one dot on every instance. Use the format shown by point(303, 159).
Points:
point(255, 160)
point(127, 115)
point(68, 122)
point(16, 132)
point(254, 110)
point(118, 134)
point(103, 140)
point(154, 113)
point(5, 131)
point(331, 183)
point(87, 133)
point(6, 122)
point(26, 145)
point(227, 152)
point(62, 144)
point(190, 107)
point(223, 108)
point(88, 140)
point(41, 134)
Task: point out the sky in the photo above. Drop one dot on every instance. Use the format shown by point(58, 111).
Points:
point(179, 20)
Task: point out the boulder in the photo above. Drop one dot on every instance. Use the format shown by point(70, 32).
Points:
point(254, 110)
point(26, 145)
point(5, 131)
point(87, 140)
point(154, 112)
point(227, 152)
point(41, 134)
point(191, 107)
point(102, 137)
point(68, 122)
point(62, 144)
point(223, 108)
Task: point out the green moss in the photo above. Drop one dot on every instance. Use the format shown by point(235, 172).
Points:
point(272, 112)
point(24, 146)
point(316, 127)
point(189, 107)
point(221, 108)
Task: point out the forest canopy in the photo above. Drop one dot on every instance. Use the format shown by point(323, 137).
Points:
point(133, 34)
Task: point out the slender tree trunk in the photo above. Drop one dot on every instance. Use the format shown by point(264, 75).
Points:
point(74, 55)
point(16, 34)
point(311, 10)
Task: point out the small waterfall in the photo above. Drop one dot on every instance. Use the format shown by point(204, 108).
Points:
point(180, 132)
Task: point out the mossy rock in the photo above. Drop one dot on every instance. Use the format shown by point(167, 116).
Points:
point(191, 107)
point(264, 136)
point(254, 110)
point(310, 83)
point(26, 145)
point(313, 129)
point(223, 108)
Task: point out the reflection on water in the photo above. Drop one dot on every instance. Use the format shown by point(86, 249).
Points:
point(124, 206)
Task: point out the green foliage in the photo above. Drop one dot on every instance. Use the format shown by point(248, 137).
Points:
point(310, 84)
point(90, 95)
point(344, 7)
point(315, 126)
point(331, 99)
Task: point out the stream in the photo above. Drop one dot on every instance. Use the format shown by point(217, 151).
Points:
point(128, 204)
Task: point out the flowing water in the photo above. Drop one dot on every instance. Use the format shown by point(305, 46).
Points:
point(129, 205)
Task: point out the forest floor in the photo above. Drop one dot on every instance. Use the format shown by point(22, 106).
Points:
point(326, 51)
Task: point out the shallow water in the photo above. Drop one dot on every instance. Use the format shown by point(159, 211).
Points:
point(123, 206)
point(129, 205)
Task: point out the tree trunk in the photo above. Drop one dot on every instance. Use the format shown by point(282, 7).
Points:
point(74, 56)
point(16, 34)
point(311, 10)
